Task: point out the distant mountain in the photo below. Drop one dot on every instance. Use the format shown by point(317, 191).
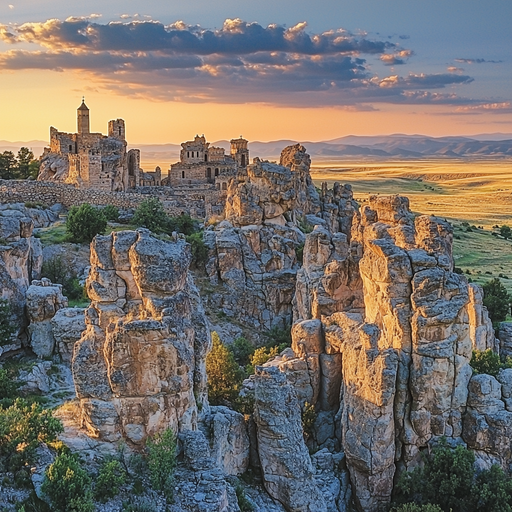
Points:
point(395, 146)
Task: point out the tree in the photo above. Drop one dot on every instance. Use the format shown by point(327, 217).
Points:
point(150, 214)
point(8, 165)
point(26, 167)
point(68, 485)
point(492, 491)
point(496, 299)
point(506, 232)
point(84, 223)
point(224, 374)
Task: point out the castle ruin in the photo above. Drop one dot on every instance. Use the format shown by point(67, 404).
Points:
point(202, 164)
point(92, 160)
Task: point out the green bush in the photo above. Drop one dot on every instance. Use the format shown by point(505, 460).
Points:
point(150, 214)
point(111, 212)
point(8, 388)
point(261, 356)
point(242, 350)
point(139, 505)
point(85, 222)
point(224, 374)
point(22, 428)
point(68, 485)
point(487, 361)
point(161, 449)
point(183, 223)
point(277, 336)
point(7, 328)
point(445, 480)
point(57, 271)
point(492, 491)
point(413, 507)
point(110, 478)
point(308, 417)
point(496, 299)
point(199, 249)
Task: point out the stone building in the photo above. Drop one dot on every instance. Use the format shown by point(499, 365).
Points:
point(91, 160)
point(202, 164)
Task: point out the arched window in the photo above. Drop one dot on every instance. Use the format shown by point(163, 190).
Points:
point(182, 175)
point(206, 157)
point(188, 154)
point(243, 160)
point(216, 172)
point(209, 172)
point(224, 186)
point(119, 131)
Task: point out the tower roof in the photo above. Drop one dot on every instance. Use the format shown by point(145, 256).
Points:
point(83, 106)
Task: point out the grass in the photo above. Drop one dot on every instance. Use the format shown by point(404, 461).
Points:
point(53, 235)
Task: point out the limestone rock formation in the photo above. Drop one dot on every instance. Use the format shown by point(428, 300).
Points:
point(44, 299)
point(230, 440)
point(505, 337)
point(139, 366)
point(68, 324)
point(288, 473)
point(200, 484)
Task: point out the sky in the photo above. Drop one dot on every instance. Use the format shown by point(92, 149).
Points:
point(267, 69)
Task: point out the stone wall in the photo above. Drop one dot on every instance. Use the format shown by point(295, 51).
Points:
point(197, 203)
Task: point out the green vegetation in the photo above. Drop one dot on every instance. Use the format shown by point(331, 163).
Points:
point(18, 167)
point(7, 328)
point(489, 362)
point(68, 485)
point(182, 224)
point(150, 214)
point(161, 449)
point(497, 300)
point(413, 507)
point(261, 356)
point(242, 350)
point(110, 478)
point(111, 212)
point(56, 270)
point(8, 388)
point(282, 338)
point(53, 235)
point(448, 480)
point(22, 428)
point(506, 232)
point(244, 504)
point(198, 249)
point(308, 417)
point(224, 374)
point(84, 222)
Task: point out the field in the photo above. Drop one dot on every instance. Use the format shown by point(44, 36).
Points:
point(477, 193)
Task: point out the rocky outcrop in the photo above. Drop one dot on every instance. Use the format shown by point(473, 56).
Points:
point(200, 485)
point(20, 262)
point(230, 445)
point(68, 324)
point(481, 330)
point(44, 299)
point(505, 338)
point(288, 473)
point(139, 366)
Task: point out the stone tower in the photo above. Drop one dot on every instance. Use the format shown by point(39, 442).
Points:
point(117, 129)
point(83, 118)
point(239, 151)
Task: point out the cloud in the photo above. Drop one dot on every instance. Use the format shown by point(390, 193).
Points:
point(454, 69)
point(397, 58)
point(11, 6)
point(240, 62)
point(478, 61)
point(486, 108)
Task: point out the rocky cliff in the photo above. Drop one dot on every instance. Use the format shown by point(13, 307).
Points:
point(140, 365)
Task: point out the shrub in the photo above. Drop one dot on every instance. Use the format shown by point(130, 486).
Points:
point(68, 485)
point(57, 271)
point(278, 336)
point(308, 417)
point(199, 249)
point(242, 350)
point(413, 507)
point(150, 214)
point(110, 478)
point(492, 491)
point(22, 428)
point(184, 223)
point(506, 232)
point(7, 328)
point(487, 361)
point(85, 222)
point(139, 505)
point(111, 212)
point(496, 299)
point(299, 253)
point(161, 450)
point(224, 375)
point(8, 388)
point(261, 356)
point(445, 480)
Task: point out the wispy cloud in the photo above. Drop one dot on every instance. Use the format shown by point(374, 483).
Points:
point(484, 108)
point(478, 61)
point(240, 62)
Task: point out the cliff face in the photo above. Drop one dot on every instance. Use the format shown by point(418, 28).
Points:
point(400, 339)
point(140, 365)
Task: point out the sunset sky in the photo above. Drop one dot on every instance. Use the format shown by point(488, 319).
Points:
point(267, 69)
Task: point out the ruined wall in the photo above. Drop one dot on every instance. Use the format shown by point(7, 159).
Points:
point(196, 202)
